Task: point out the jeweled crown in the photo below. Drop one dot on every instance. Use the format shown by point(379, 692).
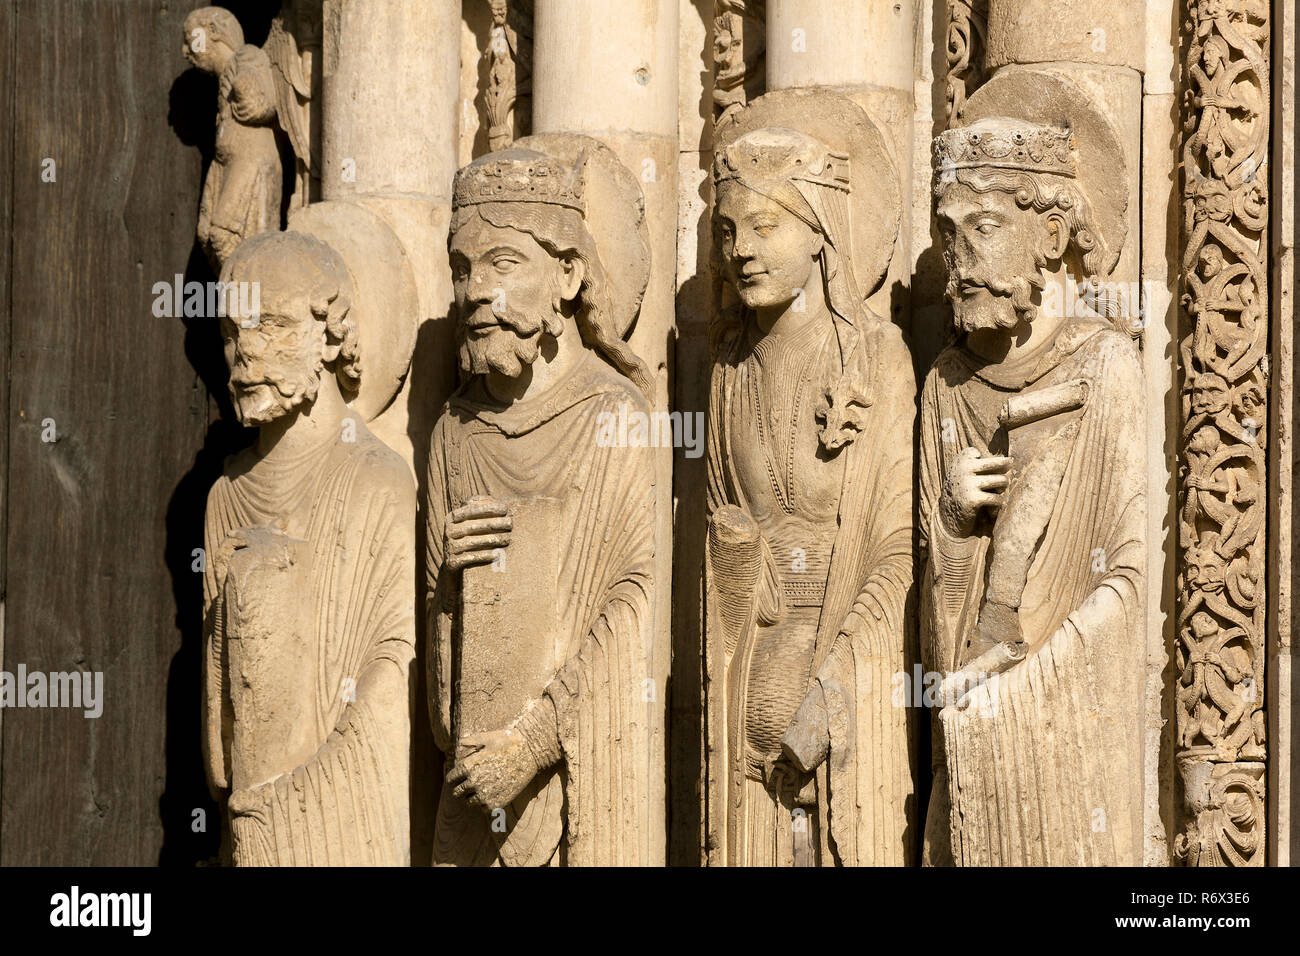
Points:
point(776, 153)
point(1006, 144)
point(520, 175)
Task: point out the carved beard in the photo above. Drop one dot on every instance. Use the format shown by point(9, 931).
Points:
point(262, 402)
point(504, 342)
point(995, 305)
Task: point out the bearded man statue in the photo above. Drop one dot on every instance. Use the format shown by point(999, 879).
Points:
point(809, 555)
point(1032, 511)
point(309, 618)
point(540, 537)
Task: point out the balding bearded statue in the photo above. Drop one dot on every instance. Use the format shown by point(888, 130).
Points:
point(810, 449)
point(1032, 509)
point(540, 536)
point(309, 597)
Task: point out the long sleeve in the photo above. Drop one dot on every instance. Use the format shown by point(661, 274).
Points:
point(440, 591)
point(347, 803)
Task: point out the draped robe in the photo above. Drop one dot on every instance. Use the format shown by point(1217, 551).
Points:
point(864, 789)
point(592, 807)
point(346, 803)
point(1042, 765)
point(241, 194)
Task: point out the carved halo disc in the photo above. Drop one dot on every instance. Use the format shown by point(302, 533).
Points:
point(875, 199)
point(386, 302)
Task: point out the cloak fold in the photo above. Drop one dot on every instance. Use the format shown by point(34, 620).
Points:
point(1041, 765)
point(602, 696)
point(348, 803)
point(865, 787)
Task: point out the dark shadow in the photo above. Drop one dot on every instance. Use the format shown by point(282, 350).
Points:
point(689, 365)
point(432, 379)
point(192, 111)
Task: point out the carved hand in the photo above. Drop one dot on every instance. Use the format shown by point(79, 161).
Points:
point(807, 740)
point(972, 483)
point(263, 538)
point(475, 531)
point(495, 772)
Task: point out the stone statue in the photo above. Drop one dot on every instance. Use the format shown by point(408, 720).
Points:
point(540, 535)
point(810, 444)
point(738, 43)
point(309, 588)
point(241, 196)
point(293, 47)
point(1032, 511)
point(508, 97)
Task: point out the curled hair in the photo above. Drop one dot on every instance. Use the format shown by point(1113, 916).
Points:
point(1042, 193)
point(562, 233)
point(330, 302)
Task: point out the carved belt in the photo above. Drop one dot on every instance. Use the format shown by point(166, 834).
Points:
point(804, 591)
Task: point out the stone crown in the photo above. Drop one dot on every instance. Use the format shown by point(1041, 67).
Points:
point(520, 175)
point(775, 154)
point(1000, 145)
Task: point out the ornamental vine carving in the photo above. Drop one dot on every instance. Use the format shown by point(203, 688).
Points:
point(1220, 646)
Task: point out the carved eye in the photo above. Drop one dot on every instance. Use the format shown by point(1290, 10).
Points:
point(986, 228)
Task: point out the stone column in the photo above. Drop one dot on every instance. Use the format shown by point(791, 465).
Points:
point(864, 50)
point(390, 77)
point(1282, 523)
point(610, 72)
point(389, 128)
point(1159, 269)
point(1228, 419)
point(703, 95)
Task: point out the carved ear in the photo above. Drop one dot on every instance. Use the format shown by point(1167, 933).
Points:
point(572, 271)
point(1057, 237)
point(819, 242)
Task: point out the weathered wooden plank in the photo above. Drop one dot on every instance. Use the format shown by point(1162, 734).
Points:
point(8, 58)
point(102, 521)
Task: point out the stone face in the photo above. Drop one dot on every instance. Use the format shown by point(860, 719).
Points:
point(540, 538)
point(1032, 510)
point(309, 603)
point(809, 563)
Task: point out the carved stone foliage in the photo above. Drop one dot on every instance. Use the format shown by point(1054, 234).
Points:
point(1032, 486)
point(508, 97)
point(1224, 431)
point(964, 51)
point(811, 411)
point(739, 40)
point(540, 535)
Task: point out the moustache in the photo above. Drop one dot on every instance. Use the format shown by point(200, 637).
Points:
point(484, 318)
point(965, 285)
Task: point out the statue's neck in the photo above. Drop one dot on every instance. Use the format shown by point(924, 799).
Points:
point(794, 315)
point(559, 355)
point(1026, 338)
point(308, 427)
